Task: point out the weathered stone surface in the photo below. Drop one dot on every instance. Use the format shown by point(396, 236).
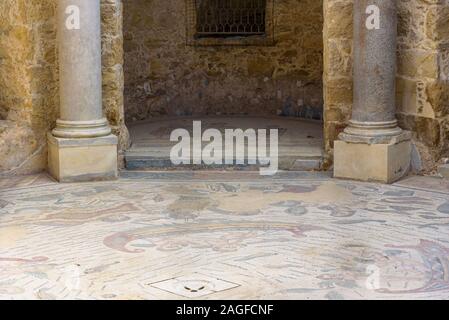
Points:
point(373, 147)
point(422, 77)
point(443, 170)
point(29, 89)
point(337, 76)
point(164, 76)
point(113, 76)
point(28, 86)
point(74, 160)
point(214, 80)
point(81, 146)
point(384, 163)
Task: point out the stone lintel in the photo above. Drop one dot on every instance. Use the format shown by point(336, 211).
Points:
point(84, 159)
point(382, 162)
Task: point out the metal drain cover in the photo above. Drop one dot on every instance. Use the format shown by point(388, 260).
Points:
point(194, 286)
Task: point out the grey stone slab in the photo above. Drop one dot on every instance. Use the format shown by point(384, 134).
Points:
point(443, 170)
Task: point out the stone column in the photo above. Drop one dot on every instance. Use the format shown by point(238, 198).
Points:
point(81, 147)
point(373, 147)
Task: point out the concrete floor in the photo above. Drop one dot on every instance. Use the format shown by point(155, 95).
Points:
point(300, 141)
point(231, 235)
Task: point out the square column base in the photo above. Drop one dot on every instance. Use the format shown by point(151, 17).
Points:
point(84, 159)
point(384, 163)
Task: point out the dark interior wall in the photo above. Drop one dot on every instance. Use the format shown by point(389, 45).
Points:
point(165, 76)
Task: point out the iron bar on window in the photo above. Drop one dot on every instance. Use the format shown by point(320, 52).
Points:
point(230, 18)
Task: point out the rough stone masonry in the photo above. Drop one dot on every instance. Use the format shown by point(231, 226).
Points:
point(142, 77)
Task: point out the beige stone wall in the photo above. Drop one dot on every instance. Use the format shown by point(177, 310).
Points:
point(337, 76)
point(164, 76)
point(423, 65)
point(29, 98)
point(28, 87)
point(113, 77)
point(423, 77)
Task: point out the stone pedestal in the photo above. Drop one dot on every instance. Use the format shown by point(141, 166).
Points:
point(89, 159)
point(81, 147)
point(381, 162)
point(373, 147)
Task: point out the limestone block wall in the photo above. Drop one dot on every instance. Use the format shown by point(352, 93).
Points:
point(29, 97)
point(422, 76)
point(113, 77)
point(423, 79)
point(164, 76)
point(28, 83)
point(337, 76)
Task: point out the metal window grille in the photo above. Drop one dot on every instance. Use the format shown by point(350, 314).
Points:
point(230, 18)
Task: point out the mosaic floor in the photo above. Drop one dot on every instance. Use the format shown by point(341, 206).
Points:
point(224, 236)
point(300, 141)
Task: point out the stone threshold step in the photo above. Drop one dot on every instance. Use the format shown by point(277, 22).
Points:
point(294, 163)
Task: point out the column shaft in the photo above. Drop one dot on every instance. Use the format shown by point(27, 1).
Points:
point(374, 107)
point(80, 79)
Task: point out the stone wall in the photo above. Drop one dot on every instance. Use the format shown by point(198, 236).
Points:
point(28, 86)
point(164, 76)
point(29, 98)
point(422, 78)
point(113, 78)
point(337, 78)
